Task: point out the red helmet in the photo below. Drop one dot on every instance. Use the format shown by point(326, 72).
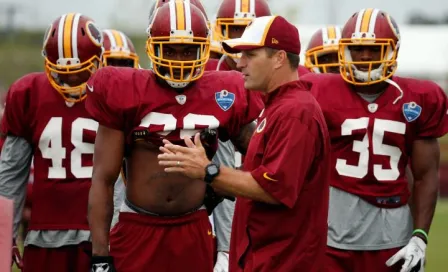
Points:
point(118, 47)
point(324, 41)
point(155, 5)
point(72, 50)
point(178, 22)
point(239, 13)
point(369, 27)
point(199, 5)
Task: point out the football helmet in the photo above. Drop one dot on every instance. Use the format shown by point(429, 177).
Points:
point(178, 23)
point(378, 31)
point(72, 48)
point(324, 41)
point(118, 49)
point(238, 13)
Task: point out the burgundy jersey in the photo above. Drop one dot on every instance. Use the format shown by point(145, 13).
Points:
point(372, 142)
point(288, 156)
point(303, 71)
point(134, 102)
point(212, 65)
point(62, 136)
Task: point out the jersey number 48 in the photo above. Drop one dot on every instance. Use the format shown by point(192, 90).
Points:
point(50, 145)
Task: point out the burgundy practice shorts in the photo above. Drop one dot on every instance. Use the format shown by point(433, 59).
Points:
point(73, 258)
point(141, 242)
point(338, 260)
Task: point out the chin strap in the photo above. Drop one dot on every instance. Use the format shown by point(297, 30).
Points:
point(393, 83)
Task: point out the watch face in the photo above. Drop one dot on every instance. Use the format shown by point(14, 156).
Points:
point(212, 169)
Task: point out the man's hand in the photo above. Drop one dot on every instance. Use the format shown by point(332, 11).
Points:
point(16, 257)
point(222, 262)
point(190, 161)
point(413, 255)
point(102, 264)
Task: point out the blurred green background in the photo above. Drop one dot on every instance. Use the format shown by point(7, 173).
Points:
point(20, 53)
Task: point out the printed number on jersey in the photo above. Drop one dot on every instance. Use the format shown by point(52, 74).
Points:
point(169, 122)
point(50, 145)
point(380, 126)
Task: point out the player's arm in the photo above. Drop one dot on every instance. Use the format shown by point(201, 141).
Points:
point(241, 141)
point(242, 184)
point(15, 165)
point(425, 167)
point(108, 157)
point(278, 180)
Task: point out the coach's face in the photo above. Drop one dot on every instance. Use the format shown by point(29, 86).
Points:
point(256, 67)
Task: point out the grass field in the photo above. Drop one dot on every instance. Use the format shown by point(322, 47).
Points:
point(437, 253)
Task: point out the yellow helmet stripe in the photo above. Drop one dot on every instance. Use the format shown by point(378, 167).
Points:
point(244, 5)
point(68, 24)
point(117, 38)
point(331, 32)
point(365, 23)
point(180, 15)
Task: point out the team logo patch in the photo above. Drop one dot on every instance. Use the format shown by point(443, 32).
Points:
point(94, 33)
point(225, 99)
point(261, 126)
point(411, 111)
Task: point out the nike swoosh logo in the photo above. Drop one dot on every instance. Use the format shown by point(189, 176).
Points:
point(89, 87)
point(265, 175)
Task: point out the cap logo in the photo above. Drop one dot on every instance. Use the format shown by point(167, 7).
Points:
point(274, 41)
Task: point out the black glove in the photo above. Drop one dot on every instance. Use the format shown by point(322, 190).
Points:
point(209, 140)
point(102, 264)
point(212, 199)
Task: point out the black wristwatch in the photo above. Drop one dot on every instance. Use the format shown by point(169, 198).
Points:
point(211, 171)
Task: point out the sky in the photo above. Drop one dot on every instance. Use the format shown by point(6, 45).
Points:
point(37, 14)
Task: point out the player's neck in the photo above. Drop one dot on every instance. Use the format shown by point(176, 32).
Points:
point(371, 89)
point(280, 78)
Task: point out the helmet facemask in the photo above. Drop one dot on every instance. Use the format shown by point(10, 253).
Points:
point(373, 71)
point(178, 73)
point(69, 76)
point(314, 56)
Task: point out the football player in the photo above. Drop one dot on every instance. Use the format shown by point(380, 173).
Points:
point(45, 117)
point(221, 218)
point(321, 56)
point(119, 50)
point(378, 123)
point(164, 223)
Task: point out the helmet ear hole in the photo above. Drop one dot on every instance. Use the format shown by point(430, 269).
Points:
point(83, 32)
